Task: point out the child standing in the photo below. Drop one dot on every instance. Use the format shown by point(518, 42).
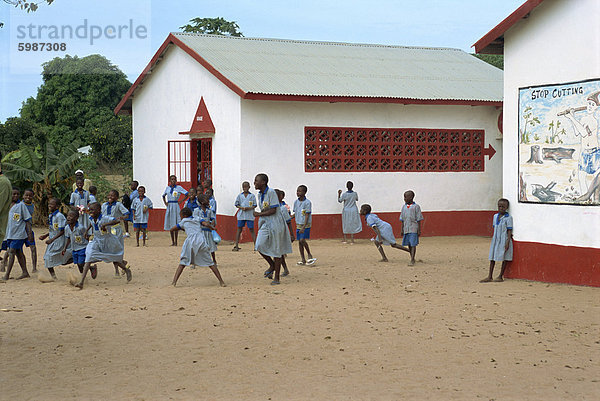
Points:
point(171, 199)
point(75, 234)
point(383, 229)
point(115, 209)
point(4, 247)
point(206, 214)
point(351, 223)
point(93, 192)
point(17, 230)
point(501, 248)
point(140, 207)
point(285, 212)
point(303, 216)
point(55, 241)
point(192, 202)
point(104, 246)
point(245, 203)
point(133, 185)
point(80, 198)
point(410, 218)
point(28, 201)
point(195, 250)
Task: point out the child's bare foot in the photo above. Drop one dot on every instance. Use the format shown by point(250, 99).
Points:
point(128, 273)
point(286, 272)
point(222, 284)
point(22, 276)
point(498, 279)
point(34, 270)
point(411, 263)
point(79, 285)
point(384, 260)
point(117, 275)
point(275, 282)
point(94, 271)
point(486, 280)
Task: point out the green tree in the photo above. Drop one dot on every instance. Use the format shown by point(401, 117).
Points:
point(25, 5)
point(16, 131)
point(213, 26)
point(497, 60)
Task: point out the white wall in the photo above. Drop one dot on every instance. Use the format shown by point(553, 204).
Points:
point(280, 127)
point(166, 105)
point(558, 43)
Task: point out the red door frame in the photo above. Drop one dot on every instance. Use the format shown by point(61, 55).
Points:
point(180, 162)
point(202, 147)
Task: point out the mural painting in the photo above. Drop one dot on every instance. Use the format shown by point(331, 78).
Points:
point(559, 144)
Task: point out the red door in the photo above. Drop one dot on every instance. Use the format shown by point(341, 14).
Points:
point(202, 166)
point(180, 161)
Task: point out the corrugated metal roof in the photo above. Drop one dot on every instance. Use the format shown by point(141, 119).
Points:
point(292, 67)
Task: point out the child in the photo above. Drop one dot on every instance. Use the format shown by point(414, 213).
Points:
point(54, 255)
point(206, 184)
point(273, 239)
point(93, 192)
point(285, 212)
point(205, 214)
point(140, 207)
point(501, 247)
point(245, 203)
point(76, 240)
point(115, 209)
point(171, 200)
point(14, 200)
point(104, 246)
point(383, 229)
point(212, 202)
point(80, 198)
point(410, 219)
point(133, 185)
point(303, 216)
point(351, 223)
point(28, 201)
point(192, 202)
point(17, 230)
point(195, 250)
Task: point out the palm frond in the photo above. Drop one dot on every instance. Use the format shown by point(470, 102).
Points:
point(64, 163)
point(15, 173)
point(51, 158)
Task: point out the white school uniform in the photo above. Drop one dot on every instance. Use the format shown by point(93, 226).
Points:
point(104, 246)
point(410, 217)
point(18, 216)
point(501, 226)
point(209, 216)
point(195, 250)
point(172, 214)
point(77, 236)
point(81, 199)
point(273, 238)
point(385, 229)
point(245, 201)
point(351, 223)
point(53, 256)
point(140, 216)
point(303, 213)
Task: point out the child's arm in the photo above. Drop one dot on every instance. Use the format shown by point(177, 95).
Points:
point(85, 234)
point(175, 228)
point(51, 240)
point(402, 228)
point(419, 227)
point(110, 223)
point(292, 236)
point(267, 212)
point(339, 195)
point(66, 246)
point(28, 230)
point(508, 239)
point(165, 199)
point(44, 236)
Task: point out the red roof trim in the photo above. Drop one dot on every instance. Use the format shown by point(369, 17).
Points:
point(498, 31)
point(356, 99)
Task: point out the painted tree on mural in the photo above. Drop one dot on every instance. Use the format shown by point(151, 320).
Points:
point(212, 26)
point(531, 120)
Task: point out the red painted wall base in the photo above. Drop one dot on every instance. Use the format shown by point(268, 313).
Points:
point(555, 263)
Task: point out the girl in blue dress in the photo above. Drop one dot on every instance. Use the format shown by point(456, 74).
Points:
point(351, 223)
point(171, 198)
point(383, 229)
point(501, 249)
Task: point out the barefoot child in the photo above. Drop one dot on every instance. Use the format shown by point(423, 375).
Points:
point(501, 247)
point(141, 210)
point(351, 223)
point(104, 246)
point(4, 247)
point(17, 230)
point(171, 199)
point(410, 218)
point(28, 201)
point(115, 209)
point(206, 214)
point(192, 202)
point(245, 203)
point(75, 234)
point(80, 199)
point(55, 239)
point(133, 185)
point(195, 250)
point(383, 229)
point(303, 216)
point(284, 209)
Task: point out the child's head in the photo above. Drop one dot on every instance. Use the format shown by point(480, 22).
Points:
point(207, 183)
point(349, 185)
point(28, 196)
point(245, 186)
point(133, 185)
point(280, 194)
point(53, 204)
point(172, 180)
point(260, 181)
point(16, 193)
point(192, 193)
point(93, 190)
point(209, 192)
point(72, 216)
point(365, 209)
point(409, 196)
point(94, 209)
point(113, 195)
point(185, 212)
point(301, 191)
point(79, 183)
point(203, 200)
point(142, 191)
point(502, 205)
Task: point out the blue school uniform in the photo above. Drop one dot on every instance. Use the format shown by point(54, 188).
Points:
point(195, 250)
point(172, 214)
point(303, 216)
point(132, 196)
point(104, 246)
point(386, 233)
point(93, 199)
point(141, 211)
point(16, 234)
point(31, 209)
point(351, 223)
point(56, 225)
point(209, 216)
point(78, 242)
point(273, 238)
point(192, 204)
point(410, 216)
point(81, 199)
point(115, 210)
point(245, 217)
point(501, 224)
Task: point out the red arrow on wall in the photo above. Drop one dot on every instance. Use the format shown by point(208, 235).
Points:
point(490, 151)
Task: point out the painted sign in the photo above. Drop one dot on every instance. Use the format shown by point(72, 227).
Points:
point(559, 143)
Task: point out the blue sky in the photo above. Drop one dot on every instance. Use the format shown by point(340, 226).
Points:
point(144, 24)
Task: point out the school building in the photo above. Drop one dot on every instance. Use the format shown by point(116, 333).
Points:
point(388, 118)
point(548, 42)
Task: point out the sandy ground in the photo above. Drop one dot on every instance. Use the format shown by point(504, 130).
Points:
point(349, 328)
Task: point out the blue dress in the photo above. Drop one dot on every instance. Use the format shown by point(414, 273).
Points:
point(351, 223)
point(273, 238)
point(172, 217)
point(501, 224)
point(195, 250)
point(207, 215)
point(81, 199)
point(53, 256)
point(385, 229)
point(115, 210)
point(104, 246)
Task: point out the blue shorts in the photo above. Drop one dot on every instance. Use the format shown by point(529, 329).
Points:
point(304, 235)
point(16, 244)
point(140, 225)
point(32, 243)
point(249, 223)
point(4, 245)
point(79, 256)
point(129, 216)
point(410, 239)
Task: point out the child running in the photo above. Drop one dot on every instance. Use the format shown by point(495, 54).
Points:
point(207, 215)
point(351, 223)
point(141, 210)
point(104, 246)
point(76, 240)
point(303, 216)
point(171, 199)
point(195, 250)
point(410, 219)
point(28, 201)
point(245, 203)
point(17, 230)
point(55, 239)
point(80, 199)
point(192, 202)
point(501, 248)
point(383, 229)
point(115, 209)
point(285, 212)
